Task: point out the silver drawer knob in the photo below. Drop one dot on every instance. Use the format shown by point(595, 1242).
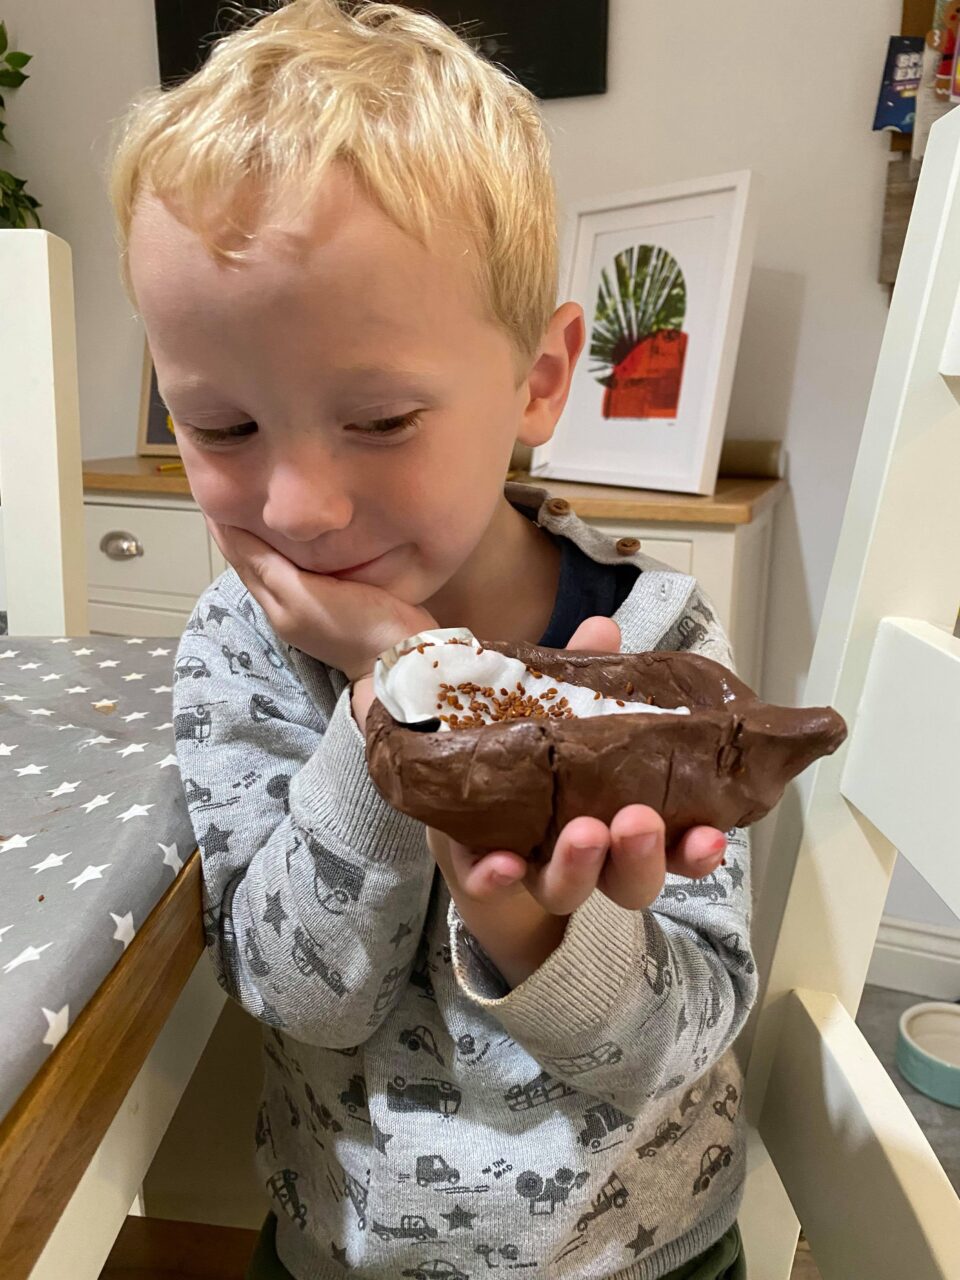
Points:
point(119, 545)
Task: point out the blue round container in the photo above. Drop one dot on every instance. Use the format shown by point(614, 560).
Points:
point(928, 1049)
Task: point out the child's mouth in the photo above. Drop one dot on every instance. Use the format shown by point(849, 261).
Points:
point(352, 569)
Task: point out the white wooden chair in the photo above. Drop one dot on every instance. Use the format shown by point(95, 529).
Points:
point(833, 1144)
point(76, 1147)
point(41, 489)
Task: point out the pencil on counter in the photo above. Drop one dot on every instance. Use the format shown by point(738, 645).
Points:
point(170, 466)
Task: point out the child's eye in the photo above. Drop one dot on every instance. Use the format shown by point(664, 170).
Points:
point(387, 426)
point(220, 435)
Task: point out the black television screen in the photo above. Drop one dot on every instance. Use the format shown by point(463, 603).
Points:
point(556, 48)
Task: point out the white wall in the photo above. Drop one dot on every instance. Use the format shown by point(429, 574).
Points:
point(787, 91)
point(89, 60)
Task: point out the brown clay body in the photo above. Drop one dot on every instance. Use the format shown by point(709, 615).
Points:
point(514, 785)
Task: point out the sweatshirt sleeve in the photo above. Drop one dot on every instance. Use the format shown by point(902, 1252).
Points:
point(314, 889)
point(634, 1003)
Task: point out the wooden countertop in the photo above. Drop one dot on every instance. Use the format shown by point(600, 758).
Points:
point(737, 499)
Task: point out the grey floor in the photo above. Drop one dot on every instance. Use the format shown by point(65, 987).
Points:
point(877, 1017)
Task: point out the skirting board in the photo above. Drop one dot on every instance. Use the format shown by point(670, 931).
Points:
point(919, 958)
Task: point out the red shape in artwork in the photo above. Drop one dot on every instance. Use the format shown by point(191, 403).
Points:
point(646, 382)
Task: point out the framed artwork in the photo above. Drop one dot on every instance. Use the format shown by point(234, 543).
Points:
point(662, 278)
point(155, 438)
point(556, 48)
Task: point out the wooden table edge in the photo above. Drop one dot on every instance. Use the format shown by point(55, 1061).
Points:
point(53, 1130)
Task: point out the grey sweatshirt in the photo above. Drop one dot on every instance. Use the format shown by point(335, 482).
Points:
point(418, 1117)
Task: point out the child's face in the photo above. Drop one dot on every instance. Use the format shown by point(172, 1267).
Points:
point(340, 394)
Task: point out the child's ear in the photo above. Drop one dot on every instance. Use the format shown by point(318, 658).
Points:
point(548, 382)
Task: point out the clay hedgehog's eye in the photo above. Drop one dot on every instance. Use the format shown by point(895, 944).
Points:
point(500, 745)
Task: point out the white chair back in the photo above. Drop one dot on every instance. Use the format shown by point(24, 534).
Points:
point(833, 1145)
point(41, 485)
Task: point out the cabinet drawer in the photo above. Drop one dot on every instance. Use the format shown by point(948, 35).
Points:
point(176, 549)
point(675, 552)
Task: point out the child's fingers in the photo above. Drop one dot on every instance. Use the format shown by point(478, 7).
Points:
point(600, 634)
point(698, 851)
point(571, 874)
point(636, 868)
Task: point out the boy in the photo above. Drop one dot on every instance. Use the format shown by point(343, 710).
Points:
point(341, 237)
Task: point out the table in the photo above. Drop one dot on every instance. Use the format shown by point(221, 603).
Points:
point(100, 913)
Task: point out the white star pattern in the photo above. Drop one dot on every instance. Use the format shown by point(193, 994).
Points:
point(64, 788)
point(56, 1025)
point(96, 802)
point(15, 842)
point(89, 873)
point(171, 857)
point(53, 996)
point(135, 811)
point(28, 954)
point(51, 860)
point(124, 931)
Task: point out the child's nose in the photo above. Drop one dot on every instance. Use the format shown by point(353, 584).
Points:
point(304, 502)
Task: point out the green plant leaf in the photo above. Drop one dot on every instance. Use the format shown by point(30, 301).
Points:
point(3, 38)
point(18, 60)
point(12, 79)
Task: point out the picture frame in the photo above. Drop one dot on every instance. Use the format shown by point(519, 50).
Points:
point(155, 438)
point(555, 48)
point(662, 276)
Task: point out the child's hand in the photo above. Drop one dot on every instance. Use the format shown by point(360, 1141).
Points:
point(506, 902)
point(347, 625)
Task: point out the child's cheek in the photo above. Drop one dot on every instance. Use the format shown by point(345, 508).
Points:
point(221, 489)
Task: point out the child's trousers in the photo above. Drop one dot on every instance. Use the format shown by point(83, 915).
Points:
point(724, 1259)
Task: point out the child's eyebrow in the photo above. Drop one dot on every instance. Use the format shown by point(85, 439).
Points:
point(380, 375)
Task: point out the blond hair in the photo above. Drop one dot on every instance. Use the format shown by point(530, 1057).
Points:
point(434, 132)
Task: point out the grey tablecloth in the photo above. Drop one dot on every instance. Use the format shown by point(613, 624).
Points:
point(93, 826)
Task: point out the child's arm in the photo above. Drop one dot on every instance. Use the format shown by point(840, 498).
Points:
point(627, 1003)
point(315, 890)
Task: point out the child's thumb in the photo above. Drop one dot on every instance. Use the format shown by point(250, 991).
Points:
point(598, 633)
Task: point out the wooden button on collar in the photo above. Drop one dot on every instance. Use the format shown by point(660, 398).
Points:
point(628, 546)
point(558, 506)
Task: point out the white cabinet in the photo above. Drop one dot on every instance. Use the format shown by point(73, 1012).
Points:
point(148, 559)
point(731, 563)
point(149, 554)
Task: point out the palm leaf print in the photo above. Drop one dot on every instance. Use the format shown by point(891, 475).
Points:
point(648, 294)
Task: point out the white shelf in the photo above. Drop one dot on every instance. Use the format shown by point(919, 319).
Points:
point(903, 763)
